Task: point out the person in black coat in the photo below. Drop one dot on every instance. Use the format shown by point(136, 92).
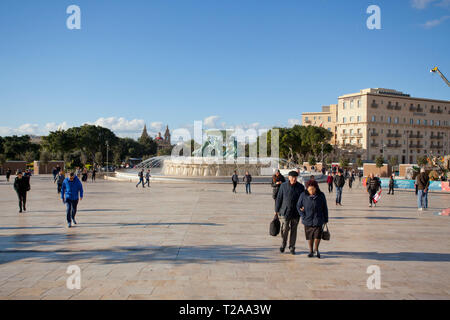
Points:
point(339, 182)
point(235, 180)
point(8, 174)
point(248, 180)
point(22, 186)
point(391, 184)
point(313, 209)
point(285, 208)
point(277, 180)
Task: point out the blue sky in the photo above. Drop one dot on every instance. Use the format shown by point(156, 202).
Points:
point(253, 63)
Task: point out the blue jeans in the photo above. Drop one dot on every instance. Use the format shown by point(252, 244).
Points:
point(338, 194)
point(141, 180)
point(248, 189)
point(422, 199)
point(71, 209)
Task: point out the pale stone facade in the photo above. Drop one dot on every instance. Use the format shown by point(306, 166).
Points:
point(391, 123)
point(327, 119)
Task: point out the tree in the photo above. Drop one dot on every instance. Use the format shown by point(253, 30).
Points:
point(422, 161)
point(2, 159)
point(393, 161)
point(83, 159)
point(45, 158)
point(14, 146)
point(359, 162)
point(98, 158)
point(343, 162)
point(29, 156)
point(379, 161)
point(312, 161)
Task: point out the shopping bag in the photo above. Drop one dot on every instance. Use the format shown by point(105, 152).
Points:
point(377, 197)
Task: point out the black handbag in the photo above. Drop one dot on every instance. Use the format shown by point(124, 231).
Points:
point(274, 228)
point(326, 233)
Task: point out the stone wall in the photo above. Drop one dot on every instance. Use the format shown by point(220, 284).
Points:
point(384, 171)
point(14, 166)
point(40, 168)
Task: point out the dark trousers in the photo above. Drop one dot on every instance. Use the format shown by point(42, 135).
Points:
point(22, 195)
point(338, 194)
point(234, 186)
point(147, 182)
point(59, 187)
point(372, 194)
point(350, 183)
point(248, 188)
point(391, 188)
point(71, 209)
point(289, 228)
point(330, 187)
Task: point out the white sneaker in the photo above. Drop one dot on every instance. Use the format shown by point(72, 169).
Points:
point(420, 209)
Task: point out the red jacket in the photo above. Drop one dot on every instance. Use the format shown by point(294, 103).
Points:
point(330, 179)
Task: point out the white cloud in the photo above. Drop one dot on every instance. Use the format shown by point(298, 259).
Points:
point(120, 124)
point(157, 126)
point(32, 129)
point(421, 4)
point(52, 126)
point(210, 121)
point(293, 122)
point(433, 23)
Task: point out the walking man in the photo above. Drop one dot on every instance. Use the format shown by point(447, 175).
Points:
point(248, 179)
point(141, 178)
point(71, 188)
point(8, 174)
point(235, 180)
point(373, 185)
point(60, 179)
point(147, 178)
point(286, 209)
point(339, 182)
point(391, 185)
point(422, 182)
point(330, 182)
point(22, 186)
point(94, 172)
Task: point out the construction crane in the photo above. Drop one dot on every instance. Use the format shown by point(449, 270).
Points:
point(435, 69)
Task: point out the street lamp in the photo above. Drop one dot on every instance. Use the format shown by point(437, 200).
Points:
point(107, 149)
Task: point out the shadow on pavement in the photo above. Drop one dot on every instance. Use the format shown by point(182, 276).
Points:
point(395, 256)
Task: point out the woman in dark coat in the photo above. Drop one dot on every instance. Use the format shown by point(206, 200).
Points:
point(313, 209)
point(277, 180)
point(22, 186)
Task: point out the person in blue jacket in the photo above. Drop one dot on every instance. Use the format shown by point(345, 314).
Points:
point(313, 209)
point(70, 189)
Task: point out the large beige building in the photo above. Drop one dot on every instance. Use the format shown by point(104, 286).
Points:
point(387, 122)
point(326, 119)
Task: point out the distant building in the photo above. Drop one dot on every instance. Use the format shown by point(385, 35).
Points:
point(326, 119)
point(163, 142)
point(389, 123)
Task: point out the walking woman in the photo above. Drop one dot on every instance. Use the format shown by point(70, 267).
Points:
point(391, 184)
point(235, 180)
point(313, 209)
point(277, 180)
point(22, 186)
point(330, 182)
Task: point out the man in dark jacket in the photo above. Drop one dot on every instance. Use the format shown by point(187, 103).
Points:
point(422, 182)
point(71, 187)
point(8, 174)
point(391, 184)
point(373, 185)
point(339, 182)
point(248, 180)
point(235, 180)
point(313, 209)
point(141, 178)
point(286, 209)
point(22, 186)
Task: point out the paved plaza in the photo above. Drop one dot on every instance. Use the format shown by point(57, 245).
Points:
point(201, 241)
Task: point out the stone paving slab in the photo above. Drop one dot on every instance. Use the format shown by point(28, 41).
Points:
point(194, 241)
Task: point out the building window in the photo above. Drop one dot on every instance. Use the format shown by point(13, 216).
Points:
point(374, 119)
point(329, 119)
point(418, 121)
point(396, 120)
point(329, 129)
point(343, 131)
point(306, 118)
point(351, 104)
point(359, 131)
point(351, 119)
point(345, 105)
point(425, 122)
point(359, 118)
point(359, 103)
point(411, 121)
point(351, 131)
point(344, 120)
point(438, 122)
point(389, 120)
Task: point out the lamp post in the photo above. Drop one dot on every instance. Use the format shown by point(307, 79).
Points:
point(107, 149)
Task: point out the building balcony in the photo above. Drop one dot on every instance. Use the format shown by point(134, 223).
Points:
point(415, 136)
point(390, 106)
point(419, 109)
point(392, 145)
point(416, 146)
point(374, 134)
point(374, 145)
point(374, 105)
point(439, 136)
point(436, 146)
point(412, 108)
point(398, 107)
point(433, 110)
point(439, 111)
point(394, 135)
